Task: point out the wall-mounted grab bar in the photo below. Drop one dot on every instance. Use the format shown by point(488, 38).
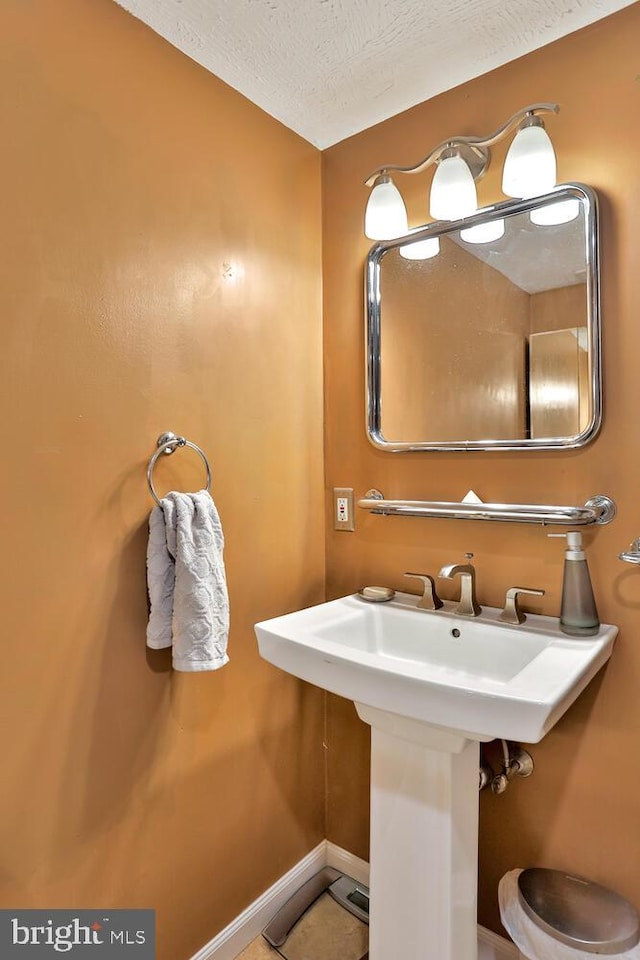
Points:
point(598, 510)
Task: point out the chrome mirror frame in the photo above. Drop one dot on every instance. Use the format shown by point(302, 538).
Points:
point(373, 306)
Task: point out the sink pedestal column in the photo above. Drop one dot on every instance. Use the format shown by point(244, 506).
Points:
point(424, 840)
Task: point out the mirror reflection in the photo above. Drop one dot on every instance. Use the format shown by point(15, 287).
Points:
point(487, 344)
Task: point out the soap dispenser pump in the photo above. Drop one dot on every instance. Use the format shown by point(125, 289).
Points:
point(578, 614)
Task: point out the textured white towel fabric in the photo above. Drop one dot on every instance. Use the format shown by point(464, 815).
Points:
point(187, 583)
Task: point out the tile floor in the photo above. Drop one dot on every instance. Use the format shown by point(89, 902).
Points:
point(326, 932)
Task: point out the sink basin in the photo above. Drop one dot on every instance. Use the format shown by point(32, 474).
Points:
point(479, 677)
point(431, 685)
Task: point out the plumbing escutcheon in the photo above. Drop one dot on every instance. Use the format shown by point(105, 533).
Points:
point(523, 761)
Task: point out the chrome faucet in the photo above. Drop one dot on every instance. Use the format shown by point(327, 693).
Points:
point(468, 605)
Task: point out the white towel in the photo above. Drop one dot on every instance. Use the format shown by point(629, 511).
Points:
point(186, 582)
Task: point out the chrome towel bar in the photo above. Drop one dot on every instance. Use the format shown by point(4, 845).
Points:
point(598, 510)
point(168, 443)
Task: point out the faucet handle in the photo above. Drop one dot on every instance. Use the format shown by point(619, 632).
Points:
point(429, 599)
point(511, 612)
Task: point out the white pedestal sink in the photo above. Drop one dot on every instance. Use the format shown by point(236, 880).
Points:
point(432, 686)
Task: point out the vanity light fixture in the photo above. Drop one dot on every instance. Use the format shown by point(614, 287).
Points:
point(453, 190)
point(484, 232)
point(420, 249)
point(386, 214)
point(530, 169)
point(555, 213)
point(530, 165)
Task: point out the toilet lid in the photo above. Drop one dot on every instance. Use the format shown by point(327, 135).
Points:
point(577, 912)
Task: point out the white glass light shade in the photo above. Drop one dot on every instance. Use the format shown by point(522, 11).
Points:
point(530, 164)
point(453, 191)
point(484, 232)
point(554, 213)
point(386, 215)
point(421, 249)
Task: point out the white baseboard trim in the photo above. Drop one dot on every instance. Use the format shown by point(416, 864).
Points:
point(247, 926)
point(234, 938)
point(347, 863)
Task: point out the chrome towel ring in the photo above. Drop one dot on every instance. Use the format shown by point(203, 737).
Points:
point(168, 443)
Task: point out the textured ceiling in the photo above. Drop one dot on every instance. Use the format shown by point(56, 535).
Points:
point(535, 258)
point(330, 68)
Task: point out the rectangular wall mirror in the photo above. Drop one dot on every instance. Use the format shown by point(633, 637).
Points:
point(484, 333)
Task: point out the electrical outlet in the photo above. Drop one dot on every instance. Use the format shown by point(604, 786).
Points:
point(343, 518)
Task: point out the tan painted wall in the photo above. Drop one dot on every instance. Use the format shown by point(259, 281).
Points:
point(130, 182)
point(559, 309)
point(580, 810)
point(130, 178)
point(438, 382)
